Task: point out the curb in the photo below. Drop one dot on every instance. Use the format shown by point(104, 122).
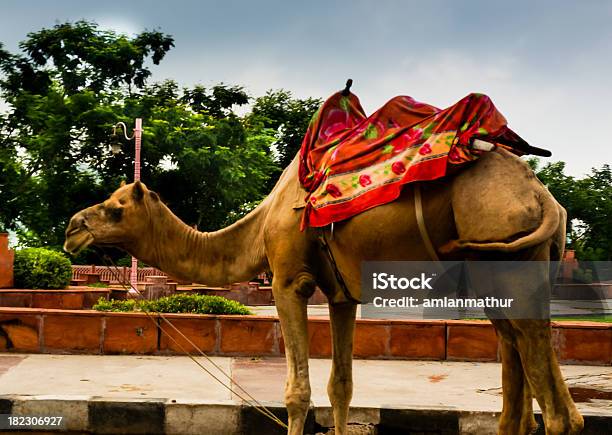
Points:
point(99, 415)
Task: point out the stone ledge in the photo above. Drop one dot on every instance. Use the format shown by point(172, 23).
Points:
point(72, 298)
point(87, 331)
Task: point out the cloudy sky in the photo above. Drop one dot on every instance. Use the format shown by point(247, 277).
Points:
point(547, 65)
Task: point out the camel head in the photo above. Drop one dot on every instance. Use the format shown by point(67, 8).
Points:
point(119, 221)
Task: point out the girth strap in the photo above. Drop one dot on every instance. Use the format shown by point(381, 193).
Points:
point(418, 209)
point(334, 266)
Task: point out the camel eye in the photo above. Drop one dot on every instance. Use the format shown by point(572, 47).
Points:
point(114, 213)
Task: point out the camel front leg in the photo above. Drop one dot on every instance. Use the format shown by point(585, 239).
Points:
point(291, 306)
point(340, 386)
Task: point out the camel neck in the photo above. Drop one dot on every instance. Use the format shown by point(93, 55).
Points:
point(232, 254)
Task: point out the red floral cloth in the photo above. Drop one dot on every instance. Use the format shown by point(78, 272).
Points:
point(350, 163)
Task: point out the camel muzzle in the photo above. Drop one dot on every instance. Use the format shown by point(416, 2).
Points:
point(78, 237)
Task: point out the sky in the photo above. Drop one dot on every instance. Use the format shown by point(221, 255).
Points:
point(547, 65)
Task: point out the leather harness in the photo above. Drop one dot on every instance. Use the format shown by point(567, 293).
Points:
point(418, 210)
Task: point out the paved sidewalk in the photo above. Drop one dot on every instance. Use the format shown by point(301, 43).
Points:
point(158, 394)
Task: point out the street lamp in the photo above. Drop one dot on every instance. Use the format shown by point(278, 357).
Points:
point(115, 148)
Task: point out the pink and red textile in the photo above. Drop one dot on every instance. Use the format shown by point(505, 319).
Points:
point(350, 162)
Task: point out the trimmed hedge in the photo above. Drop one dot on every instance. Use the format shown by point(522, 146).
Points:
point(194, 304)
point(116, 306)
point(40, 268)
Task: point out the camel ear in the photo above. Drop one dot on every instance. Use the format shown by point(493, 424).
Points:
point(122, 183)
point(138, 191)
point(154, 196)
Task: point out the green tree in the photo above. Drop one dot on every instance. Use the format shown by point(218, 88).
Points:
point(62, 92)
point(588, 202)
point(288, 117)
point(67, 89)
point(205, 167)
point(593, 206)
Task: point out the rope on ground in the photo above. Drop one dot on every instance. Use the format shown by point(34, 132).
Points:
point(258, 406)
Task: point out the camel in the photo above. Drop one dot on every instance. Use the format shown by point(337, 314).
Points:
point(495, 208)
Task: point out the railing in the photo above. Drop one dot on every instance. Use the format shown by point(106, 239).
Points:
point(114, 275)
point(123, 273)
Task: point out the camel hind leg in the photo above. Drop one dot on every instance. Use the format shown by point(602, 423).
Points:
point(340, 386)
point(517, 414)
point(533, 340)
point(531, 337)
point(530, 369)
point(541, 368)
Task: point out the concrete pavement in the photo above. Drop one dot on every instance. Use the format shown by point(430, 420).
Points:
point(158, 394)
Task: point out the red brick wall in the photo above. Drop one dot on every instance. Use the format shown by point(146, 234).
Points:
point(134, 333)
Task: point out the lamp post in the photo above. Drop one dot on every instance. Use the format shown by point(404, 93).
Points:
point(137, 137)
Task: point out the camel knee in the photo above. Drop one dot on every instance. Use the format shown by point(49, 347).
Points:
point(297, 402)
point(297, 397)
point(302, 284)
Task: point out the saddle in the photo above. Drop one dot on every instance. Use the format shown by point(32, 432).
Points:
point(350, 162)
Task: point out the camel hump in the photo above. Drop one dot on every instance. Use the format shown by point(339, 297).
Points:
point(500, 205)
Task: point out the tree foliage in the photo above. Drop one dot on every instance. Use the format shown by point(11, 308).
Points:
point(72, 83)
point(63, 93)
point(67, 89)
point(588, 202)
point(288, 117)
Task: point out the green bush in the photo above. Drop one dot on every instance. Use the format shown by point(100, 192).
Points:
point(116, 306)
point(584, 276)
point(40, 268)
point(195, 304)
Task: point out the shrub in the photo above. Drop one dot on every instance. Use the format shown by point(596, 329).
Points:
point(116, 306)
point(98, 285)
point(584, 276)
point(198, 304)
point(39, 268)
point(195, 304)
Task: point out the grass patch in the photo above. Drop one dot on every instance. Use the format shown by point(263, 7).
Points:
point(192, 304)
point(604, 318)
point(600, 318)
point(98, 285)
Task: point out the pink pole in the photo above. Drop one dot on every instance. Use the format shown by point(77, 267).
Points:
point(137, 140)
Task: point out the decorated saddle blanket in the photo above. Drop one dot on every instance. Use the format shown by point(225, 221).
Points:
point(350, 162)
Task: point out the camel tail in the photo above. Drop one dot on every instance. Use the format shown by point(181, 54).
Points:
point(547, 229)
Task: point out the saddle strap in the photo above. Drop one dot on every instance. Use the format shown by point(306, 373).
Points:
point(418, 209)
point(332, 262)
